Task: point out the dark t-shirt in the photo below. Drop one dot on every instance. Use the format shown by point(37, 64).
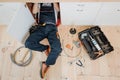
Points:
point(47, 13)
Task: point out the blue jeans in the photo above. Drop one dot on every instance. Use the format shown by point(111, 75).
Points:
point(49, 31)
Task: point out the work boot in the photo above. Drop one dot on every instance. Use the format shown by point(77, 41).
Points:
point(44, 69)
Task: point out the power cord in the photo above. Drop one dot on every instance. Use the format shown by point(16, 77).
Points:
point(23, 64)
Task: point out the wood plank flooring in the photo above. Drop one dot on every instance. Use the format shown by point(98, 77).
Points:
point(104, 68)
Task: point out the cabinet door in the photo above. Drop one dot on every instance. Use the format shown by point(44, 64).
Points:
point(109, 14)
point(74, 13)
point(20, 24)
point(7, 11)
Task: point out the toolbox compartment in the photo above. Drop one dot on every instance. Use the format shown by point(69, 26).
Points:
point(95, 42)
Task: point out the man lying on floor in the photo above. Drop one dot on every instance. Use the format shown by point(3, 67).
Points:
point(46, 29)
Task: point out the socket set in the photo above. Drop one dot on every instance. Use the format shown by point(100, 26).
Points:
point(95, 42)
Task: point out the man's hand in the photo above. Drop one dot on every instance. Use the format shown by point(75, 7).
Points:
point(35, 23)
point(35, 8)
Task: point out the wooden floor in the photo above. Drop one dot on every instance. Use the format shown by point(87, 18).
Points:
point(105, 68)
point(60, 0)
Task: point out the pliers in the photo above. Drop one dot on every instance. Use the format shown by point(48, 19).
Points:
point(80, 63)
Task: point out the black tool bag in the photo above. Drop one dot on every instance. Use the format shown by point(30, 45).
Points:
point(95, 42)
point(33, 28)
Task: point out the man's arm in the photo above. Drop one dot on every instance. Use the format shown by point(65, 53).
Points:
point(35, 8)
point(56, 6)
point(35, 11)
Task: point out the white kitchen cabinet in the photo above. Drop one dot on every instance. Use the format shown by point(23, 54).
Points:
point(109, 14)
point(76, 13)
point(19, 19)
point(20, 23)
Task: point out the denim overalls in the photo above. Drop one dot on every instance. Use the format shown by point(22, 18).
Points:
point(48, 31)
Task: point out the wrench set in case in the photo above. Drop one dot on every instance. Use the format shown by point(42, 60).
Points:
point(95, 42)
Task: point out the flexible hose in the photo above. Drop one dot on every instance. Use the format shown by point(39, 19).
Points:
point(23, 64)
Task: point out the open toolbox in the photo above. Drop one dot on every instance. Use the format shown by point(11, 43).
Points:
point(95, 42)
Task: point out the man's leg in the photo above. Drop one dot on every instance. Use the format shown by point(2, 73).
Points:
point(55, 47)
point(54, 53)
point(33, 41)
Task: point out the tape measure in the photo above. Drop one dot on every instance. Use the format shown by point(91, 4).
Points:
point(72, 31)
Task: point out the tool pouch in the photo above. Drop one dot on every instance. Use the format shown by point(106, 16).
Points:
point(95, 42)
point(33, 28)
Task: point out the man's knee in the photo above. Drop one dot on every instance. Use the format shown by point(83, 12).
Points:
point(28, 44)
point(58, 50)
point(52, 60)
